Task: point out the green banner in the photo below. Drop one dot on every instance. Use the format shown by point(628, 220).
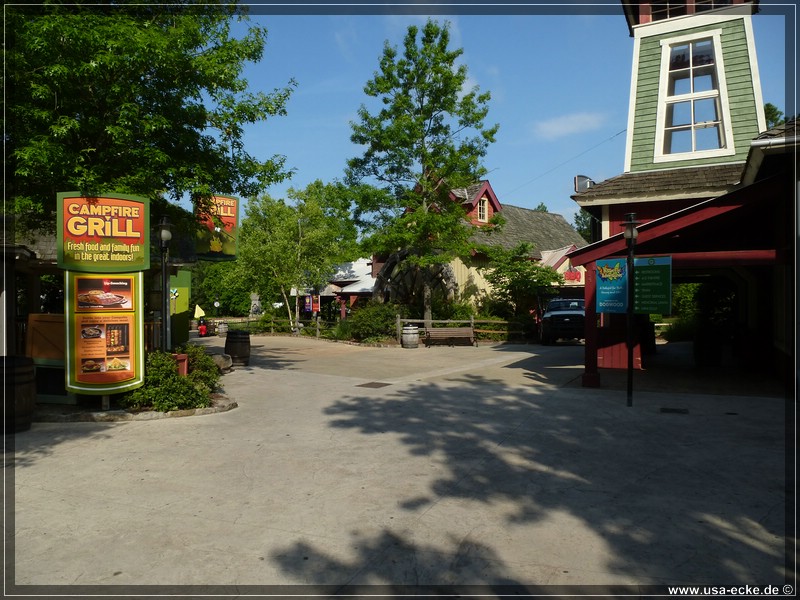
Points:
point(652, 289)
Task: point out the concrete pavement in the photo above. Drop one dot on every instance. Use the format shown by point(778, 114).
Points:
point(355, 466)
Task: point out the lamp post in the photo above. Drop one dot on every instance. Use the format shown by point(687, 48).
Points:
point(630, 234)
point(165, 236)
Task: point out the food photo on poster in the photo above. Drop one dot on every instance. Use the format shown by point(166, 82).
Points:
point(104, 292)
point(104, 347)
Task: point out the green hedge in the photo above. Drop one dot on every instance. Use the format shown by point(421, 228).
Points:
point(165, 390)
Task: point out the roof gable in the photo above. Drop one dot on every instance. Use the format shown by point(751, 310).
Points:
point(469, 196)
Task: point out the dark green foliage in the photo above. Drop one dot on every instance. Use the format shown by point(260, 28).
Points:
point(773, 116)
point(516, 280)
point(342, 331)
point(682, 330)
point(202, 369)
point(164, 390)
point(684, 300)
point(212, 281)
point(425, 137)
point(452, 310)
point(583, 224)
point(138, 100)
point(374, 321)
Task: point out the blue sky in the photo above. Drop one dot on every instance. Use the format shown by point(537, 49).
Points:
point(559, 84)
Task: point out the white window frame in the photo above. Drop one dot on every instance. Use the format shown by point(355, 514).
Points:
point(483, 210)
point(728, 148)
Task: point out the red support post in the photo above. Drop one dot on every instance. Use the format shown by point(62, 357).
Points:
point(591, 376)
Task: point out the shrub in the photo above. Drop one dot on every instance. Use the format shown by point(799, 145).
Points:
point(165, 390)
point(452, 310)
point(202, 369)
point(342, 331)
point(682, 330)
point(375, 321)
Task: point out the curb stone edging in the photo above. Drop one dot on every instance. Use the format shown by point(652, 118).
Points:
point(219, 405)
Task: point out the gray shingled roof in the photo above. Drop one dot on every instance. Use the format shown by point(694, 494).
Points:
point(784, 130)
point(546, 231)
point(710, 180)
point(468, 193)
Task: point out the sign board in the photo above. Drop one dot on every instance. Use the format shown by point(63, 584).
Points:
point(104, 332)
point(652, 289)
point(612, 286)
point(216, 239)
point(107, 234)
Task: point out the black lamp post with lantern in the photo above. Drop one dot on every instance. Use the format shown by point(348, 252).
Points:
point(630, 234)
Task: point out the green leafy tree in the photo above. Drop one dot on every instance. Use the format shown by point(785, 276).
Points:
point(426, 137)
point(219, 282)
point(542, 207)
point(773, 115)
point(516, 280)
point(286, 246)
point(583, 224)
point(144, 99)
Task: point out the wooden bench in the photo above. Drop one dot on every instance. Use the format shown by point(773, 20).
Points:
point(450, 334)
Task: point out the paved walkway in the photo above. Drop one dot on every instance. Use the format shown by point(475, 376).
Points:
point(353, 466)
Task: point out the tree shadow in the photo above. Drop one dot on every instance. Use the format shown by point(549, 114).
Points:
point(648, 497)
point(42, 439)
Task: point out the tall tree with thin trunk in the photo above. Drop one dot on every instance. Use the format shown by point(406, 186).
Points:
point(424, 137)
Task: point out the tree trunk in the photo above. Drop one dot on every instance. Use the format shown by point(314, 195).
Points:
point(297, 311)
point(427, 297)
point(288, 307)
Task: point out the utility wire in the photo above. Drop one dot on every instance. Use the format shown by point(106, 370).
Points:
point(558, 166)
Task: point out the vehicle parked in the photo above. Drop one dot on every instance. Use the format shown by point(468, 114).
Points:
point(563, 319)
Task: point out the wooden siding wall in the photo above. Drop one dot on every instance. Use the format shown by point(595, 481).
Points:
point(471, 283)
point(741, 97)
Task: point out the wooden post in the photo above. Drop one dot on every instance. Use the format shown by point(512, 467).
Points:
point(591, 376)
point(399, 329)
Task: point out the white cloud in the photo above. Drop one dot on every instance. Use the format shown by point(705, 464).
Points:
point(567, 125)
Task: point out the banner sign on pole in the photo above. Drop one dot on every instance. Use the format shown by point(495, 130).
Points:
point(216, 239)
point(612, 286)
point(652, 290)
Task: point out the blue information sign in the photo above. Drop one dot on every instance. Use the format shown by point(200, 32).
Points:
point(612, 286)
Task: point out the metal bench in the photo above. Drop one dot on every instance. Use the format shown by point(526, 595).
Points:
point(450, 334)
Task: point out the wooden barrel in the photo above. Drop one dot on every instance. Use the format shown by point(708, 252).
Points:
point(237, 346)
point(410, 337)
point(222, 329)
point(20, 392)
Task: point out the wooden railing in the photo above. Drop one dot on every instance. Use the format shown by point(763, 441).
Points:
point(489, 328)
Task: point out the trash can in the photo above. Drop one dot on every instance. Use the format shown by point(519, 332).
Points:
point(237, 346)
point(20, 392)
point(410, 337)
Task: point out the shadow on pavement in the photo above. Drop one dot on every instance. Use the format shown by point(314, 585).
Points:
point(660, 498)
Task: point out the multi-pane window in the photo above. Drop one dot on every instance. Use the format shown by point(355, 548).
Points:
point(483, 209)
point(669, 10)
point(692, 109)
